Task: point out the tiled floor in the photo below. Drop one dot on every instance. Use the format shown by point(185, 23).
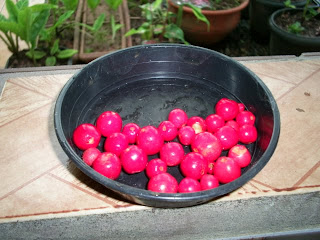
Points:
point(39, 181)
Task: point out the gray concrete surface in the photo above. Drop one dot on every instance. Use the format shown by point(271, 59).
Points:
point(278, 217)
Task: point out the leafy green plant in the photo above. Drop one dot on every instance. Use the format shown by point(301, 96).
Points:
point(308, 13)
point(162, 24)
point(113, 5)
point(25, 23)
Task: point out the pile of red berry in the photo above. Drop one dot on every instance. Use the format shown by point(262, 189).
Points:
point(229, 129)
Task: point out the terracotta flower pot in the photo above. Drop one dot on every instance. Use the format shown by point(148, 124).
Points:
point(222, 22)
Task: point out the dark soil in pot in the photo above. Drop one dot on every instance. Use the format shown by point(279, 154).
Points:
point(311, 27)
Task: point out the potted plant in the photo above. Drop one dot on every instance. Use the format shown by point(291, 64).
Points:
point(295, 30)
point(103, 37)
point(23, 24)
point(261, 10)
point(160, 24)
point(223, 17)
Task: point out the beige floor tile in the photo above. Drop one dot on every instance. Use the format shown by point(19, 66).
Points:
point(49, 85)
point(11, 106)
point(299, 137)
point(277, 87)
point(48, 195)
point(29, 148)
point(70, 173)
point(292, 71)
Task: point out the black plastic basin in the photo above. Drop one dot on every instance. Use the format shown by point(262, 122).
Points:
point(143, 84)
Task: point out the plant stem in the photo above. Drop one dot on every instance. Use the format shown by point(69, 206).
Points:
point(305, 9)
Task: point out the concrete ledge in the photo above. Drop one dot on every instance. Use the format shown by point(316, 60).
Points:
point(276, 217)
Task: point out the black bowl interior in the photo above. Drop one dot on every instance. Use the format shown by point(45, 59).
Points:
point(143, 84)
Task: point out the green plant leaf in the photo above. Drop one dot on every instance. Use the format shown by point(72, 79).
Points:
point(114, 27)
point(68, 53)
point(61, 20)
point(158, 29)
point(114, 4)
point(22, 4)
point(288, 4)
point(99, 22)
point(70, 4)
point(145, 27)
point(37, 25)
point(55, 48)
point(296, 28)
point(199, 15)
point(93, 4)
point(25, 24)
point(174, 32)
point(51, 61)
point(12, 10)
point(41, 7)
point(36, 54)
point(10, 27)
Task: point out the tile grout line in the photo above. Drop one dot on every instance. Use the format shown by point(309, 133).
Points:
point(29, 89)
point(26, 114)
point(275, 78)
point(28, 182)
point(82, 189)
point(308, 173)
point(298, 84)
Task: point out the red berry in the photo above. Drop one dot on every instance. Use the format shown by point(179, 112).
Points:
point(109, 122)
point(163, 183)
point(155, 167)
point(214, 122)
point(245, 117)
point(90, 155)
point(208, 181)
point(86, 136)
point(227, 109)
point(226, 169)
point(241, 155)
point(241, 107)
point(131, 130)
point(194, 165)
point(247, 134)
point(108, 164)
point(188, 185)
point(178, 117)
point(233, 124)
point(133, 159)
point(116, 143)
point(227, 136)
point(150, 140)
point(207, 145)
point(168, 130)
point(172, 153)
point(186, 135)
point(198, 124)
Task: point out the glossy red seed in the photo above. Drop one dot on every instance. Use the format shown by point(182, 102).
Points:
point(188, 185)
point(108, 164)
point(226, 169)
point(163, 183)
point(109, 122)
point(86, 136)
point(186, 135)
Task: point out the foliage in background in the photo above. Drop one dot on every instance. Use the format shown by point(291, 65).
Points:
point(308, 13)
point(161, 24)
point(25, 23)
